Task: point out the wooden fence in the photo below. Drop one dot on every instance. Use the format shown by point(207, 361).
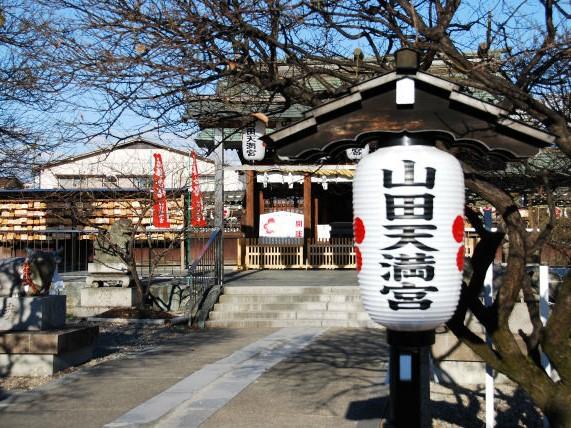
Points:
point(273, 255)
point(334, 253)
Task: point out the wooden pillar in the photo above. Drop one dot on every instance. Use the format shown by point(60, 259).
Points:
point(241, 253)
point(315, 216)
point(248, 218)
point(261, 202)
point(307, 199)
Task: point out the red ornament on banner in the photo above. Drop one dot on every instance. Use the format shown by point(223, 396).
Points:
point(160, 208)
point(196, 215)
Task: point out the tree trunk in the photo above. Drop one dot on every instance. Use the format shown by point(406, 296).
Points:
point(558, 408)
point(139, 286)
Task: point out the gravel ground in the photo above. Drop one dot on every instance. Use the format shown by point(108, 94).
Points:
point(114, 341)
point(452, 406)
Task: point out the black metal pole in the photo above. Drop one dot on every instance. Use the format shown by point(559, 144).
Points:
point(410, 378)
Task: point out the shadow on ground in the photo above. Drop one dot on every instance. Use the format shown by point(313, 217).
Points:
point(135, 366)
point(341, 373)
point(454, 405)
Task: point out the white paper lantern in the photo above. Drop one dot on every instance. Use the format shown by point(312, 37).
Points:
point(408, 204)
point(253, 148)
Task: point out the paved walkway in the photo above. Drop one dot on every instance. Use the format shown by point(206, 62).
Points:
point(291, 377)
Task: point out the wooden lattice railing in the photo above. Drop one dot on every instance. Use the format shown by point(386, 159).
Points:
point(335, 253)
point(273, 255)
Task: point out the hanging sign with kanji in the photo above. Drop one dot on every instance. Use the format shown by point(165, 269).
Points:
point(196, 211)
point(357, 153)
point(160, 208)
point(408, 204)
point(281, 224)
point(253, 148)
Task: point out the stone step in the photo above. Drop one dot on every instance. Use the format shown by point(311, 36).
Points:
point(269, 323)
point(284, 298)
point(290, 315)
point(292, 306)
point(283, 306)
point(292, 290)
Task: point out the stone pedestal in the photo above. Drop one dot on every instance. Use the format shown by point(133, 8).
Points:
point(114, 274)
point(32, 313)
point(112, 297)
point(98, 300)
point(43, 353)
point(34, 340)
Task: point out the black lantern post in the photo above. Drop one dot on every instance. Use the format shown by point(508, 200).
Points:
point(408, 202)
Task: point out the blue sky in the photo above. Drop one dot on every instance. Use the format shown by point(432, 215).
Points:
point(529, 15)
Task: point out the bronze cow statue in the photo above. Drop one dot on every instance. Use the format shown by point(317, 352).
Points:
point(28, 276)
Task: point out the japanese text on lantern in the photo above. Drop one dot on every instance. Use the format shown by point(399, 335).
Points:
point(411, 271)
point(251, 139)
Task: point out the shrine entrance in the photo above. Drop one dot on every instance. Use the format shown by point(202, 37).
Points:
point(373, 115)
point(309, 165)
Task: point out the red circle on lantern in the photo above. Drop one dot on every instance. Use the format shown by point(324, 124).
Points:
point(359, 230)
point(458, 229)
point(358, 259)
point(460, 259)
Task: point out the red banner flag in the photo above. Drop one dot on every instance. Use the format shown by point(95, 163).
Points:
point(160, 208)
point(197, 217)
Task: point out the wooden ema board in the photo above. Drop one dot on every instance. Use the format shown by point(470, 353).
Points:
point(20, 219)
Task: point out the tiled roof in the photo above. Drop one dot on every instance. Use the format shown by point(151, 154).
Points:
point(369, 113)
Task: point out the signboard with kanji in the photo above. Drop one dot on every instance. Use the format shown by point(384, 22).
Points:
point(281, 224)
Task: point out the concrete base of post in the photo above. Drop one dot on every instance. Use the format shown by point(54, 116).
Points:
point(410, 378)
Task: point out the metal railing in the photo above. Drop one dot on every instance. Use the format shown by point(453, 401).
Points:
point(205, 275)
point(189, 260)
point(76, 246)
point(156, 252)
point(186, 287)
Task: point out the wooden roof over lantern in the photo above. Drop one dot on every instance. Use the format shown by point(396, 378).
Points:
point(481, 133)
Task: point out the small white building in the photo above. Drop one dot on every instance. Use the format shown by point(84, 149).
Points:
point(130, 165)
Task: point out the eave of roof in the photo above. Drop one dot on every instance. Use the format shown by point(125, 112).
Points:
point(341, 169)
point(311, 116)
point(237, 113)
point(114, 147)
